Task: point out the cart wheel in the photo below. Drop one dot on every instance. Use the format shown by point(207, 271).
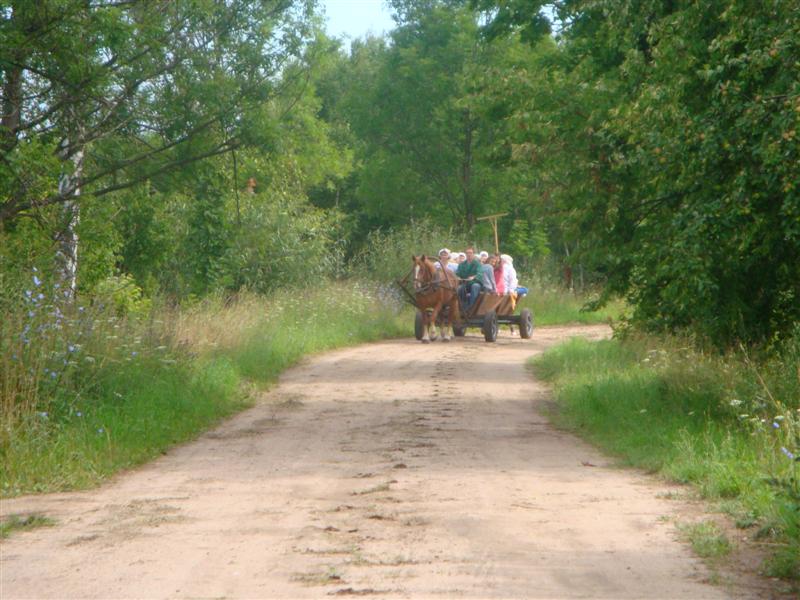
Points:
point(418, 326)
point(490, 326)
point(525, 323)
point(459, 331)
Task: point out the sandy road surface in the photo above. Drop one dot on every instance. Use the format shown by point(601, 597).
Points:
point(389, 470)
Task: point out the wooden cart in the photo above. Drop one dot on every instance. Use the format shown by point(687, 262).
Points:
point(488, 313)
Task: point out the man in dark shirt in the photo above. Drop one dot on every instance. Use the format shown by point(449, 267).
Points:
point(470, 274)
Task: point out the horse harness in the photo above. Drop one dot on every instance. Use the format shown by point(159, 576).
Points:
point(432, 286)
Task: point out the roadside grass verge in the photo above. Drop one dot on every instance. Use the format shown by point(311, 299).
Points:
point(729, 425)
point(706, 538)
point(86, 393)
point(554, 306)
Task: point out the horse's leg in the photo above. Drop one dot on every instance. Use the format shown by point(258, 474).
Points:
point(454, 316)
point(442, 331)
point(425, 326)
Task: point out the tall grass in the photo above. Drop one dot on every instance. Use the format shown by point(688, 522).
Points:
point(125, 389)
point(730, 425)
point(552, 305)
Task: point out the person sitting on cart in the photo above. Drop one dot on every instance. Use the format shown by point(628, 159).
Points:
point(470, 274)
point(497, 269)
point(444, 259)
point(487, 271)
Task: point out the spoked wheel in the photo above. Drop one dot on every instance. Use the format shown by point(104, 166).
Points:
point(418, 326)
point(459, 331)
point(490, 326)
point(525, 323)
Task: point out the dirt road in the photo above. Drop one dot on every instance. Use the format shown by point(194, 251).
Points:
point(394, 469)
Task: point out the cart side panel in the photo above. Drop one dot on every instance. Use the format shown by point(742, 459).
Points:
point(485, 303)
point(505, 306)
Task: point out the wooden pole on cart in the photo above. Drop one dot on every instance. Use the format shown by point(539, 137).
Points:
point(493, 220)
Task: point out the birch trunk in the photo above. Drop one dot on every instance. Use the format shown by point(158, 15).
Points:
point(67, 238)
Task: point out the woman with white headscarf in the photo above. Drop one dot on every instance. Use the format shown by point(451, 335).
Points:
point(509, 275)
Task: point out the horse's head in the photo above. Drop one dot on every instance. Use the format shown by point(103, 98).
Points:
point(423, 272)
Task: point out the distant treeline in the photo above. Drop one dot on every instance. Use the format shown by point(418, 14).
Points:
point(192, 147)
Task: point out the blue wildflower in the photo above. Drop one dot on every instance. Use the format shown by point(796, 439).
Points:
point(789, 455)
point(42, 414)
point(101, 430)
point(29, 294)
point(134, 354)
point(40, 297)
point(36, 281)
point(71, 348)
point(78, 414)
point(775, 425)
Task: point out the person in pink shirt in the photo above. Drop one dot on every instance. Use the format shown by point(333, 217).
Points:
point(499, 280)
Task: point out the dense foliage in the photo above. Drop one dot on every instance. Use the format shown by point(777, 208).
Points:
point(650, 144)
point(670, 130)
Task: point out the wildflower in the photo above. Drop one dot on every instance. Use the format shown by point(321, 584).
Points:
point(40, 297)
point(28, 294)
point(775, 425)
point(735, 402)
point(789, 455)
point(644, 410)
point(101, 430)
point(71, 348)
point(779, 418)
point(89, 359)
point(42, 414)
point(118, 395)
point(36, 281)
point(53, 374)
point(134, 354)
point(78, 413)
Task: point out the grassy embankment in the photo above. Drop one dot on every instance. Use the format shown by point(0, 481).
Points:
point(85, 393)
point(729, 425)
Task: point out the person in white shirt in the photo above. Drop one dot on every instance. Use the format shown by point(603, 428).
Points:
point(444, 259)
point(509, 274)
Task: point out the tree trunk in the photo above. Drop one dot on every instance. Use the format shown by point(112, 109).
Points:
point(67, 237)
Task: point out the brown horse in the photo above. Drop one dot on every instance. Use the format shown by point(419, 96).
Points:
point(434, 289)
